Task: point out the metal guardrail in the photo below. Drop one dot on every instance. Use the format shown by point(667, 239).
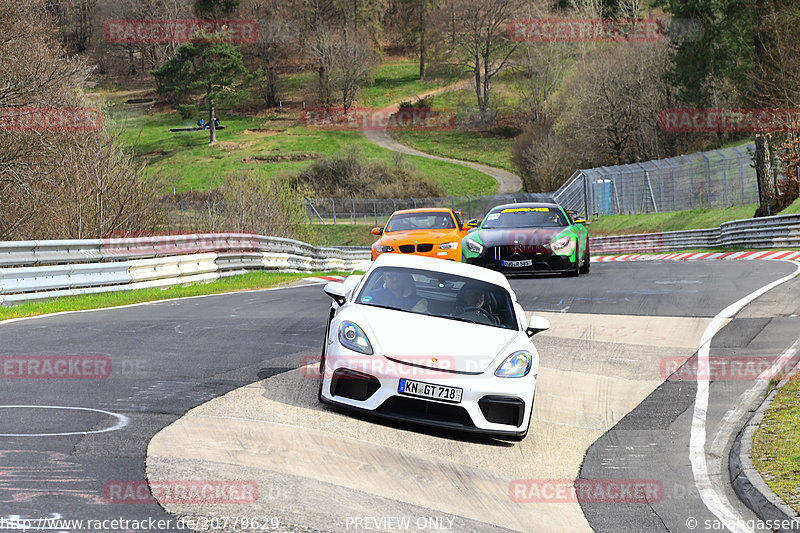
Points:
point(767, 232)
point(37, 270)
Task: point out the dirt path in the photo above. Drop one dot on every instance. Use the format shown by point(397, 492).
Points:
point(507, 182)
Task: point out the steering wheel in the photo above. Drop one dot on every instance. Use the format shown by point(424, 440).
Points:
point(479, 313)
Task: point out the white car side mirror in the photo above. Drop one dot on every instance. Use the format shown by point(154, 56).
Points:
point(337, 291)
point(537, 324)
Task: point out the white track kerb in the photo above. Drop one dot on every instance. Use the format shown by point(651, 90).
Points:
point(714, 498)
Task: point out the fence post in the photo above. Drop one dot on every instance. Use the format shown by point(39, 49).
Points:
point(674, 184)
point(585, 196)
point(708, 176)
point(375, 210)
point(724, 178)
point(691, 180)
point(353, 217)
point(333, 201)
point(741, 175)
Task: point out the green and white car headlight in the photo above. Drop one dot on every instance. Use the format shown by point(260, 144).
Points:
point(560, 244)
point(516, 365)
point(474, 246)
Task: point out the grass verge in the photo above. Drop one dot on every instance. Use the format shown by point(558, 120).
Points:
point(343, 234)
point(776, 444)
point(244, 282)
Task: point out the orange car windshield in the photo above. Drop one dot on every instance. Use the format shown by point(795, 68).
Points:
point(416, 221)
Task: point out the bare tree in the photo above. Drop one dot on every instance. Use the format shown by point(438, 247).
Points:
point(76, 20)
point(150, 55)
point(353, 59)
point(56, 184)
point(483, 45)
point(608, 108)
point(277, 40)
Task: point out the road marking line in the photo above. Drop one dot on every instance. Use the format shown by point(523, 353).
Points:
point(715, 500)
point(122, 421)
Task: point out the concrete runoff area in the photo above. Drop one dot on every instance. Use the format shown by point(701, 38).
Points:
point(594, 370)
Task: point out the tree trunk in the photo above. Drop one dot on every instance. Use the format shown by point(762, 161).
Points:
point(422, 38)
point(211, 123)
point(272, 84)
point(481, 108)
point(766, 185)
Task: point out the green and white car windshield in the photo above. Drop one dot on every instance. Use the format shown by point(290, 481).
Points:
point(525, 217)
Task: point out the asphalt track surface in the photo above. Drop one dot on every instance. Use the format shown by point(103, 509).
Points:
point(169, 357)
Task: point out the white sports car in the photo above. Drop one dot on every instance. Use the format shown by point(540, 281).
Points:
point(433, 342)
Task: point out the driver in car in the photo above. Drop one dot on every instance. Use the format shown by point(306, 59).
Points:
point(472, 299)
point(399, 292)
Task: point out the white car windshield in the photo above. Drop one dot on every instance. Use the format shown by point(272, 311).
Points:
point(525, 217)
point(439, 294)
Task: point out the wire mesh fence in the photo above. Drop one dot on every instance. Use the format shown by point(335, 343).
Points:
point(718, 178)
point(375, 211)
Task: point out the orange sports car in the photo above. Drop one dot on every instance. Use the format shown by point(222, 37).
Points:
point(434, 232)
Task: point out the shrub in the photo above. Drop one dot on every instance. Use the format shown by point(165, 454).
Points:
point(348, 174)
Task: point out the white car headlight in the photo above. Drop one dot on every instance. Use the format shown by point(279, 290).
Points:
point(516, 365)
point(474, 247)
point(560, 244)
point(351, 336)
point(448, 246)
point(383, 249)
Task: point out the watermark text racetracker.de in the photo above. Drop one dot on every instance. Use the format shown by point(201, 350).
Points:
point(50, 119)
point(106, 525)
point(722, 368)
point(541, 30)
point(432, 367)
point(163, 31)
point(733, 120)
point(586, 490)
point(366, 119)
point(71, 367)
point(187, 492)
point(55, 367)
point(147, 244)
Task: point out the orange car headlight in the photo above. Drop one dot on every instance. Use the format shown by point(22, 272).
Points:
point(383, 249)
point(448, 246)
